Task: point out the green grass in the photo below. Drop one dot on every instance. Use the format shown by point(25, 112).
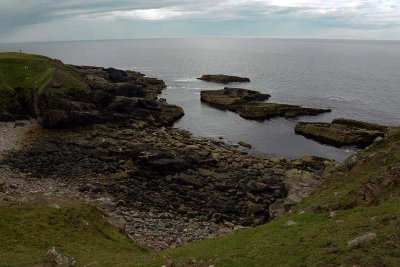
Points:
point(317, 240)
point(28, 231)
point(22, 75)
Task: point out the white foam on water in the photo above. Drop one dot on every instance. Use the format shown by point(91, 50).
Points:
point(192, 88)
point(335, 98)
point(183, 80)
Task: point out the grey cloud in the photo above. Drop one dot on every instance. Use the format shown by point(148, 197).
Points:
point(367, 14)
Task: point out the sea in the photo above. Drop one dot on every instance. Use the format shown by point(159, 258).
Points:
point(356, 79)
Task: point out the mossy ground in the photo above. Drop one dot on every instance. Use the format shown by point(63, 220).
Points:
point(27, 231)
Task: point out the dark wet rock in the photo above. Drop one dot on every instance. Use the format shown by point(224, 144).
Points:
point(342, 132)
point(360, 124)
point(116, 76)
point(244, 144)
point(105, 95)
point(228, 97)
point(130, 90)
point(160, 161)
point(221, 78)
point(247, 104)
point(260, 111)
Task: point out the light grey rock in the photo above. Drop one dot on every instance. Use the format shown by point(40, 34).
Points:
point(290, 223)
point(60, 259)
point(361, 240)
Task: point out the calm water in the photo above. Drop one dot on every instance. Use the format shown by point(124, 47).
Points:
point(357, 79)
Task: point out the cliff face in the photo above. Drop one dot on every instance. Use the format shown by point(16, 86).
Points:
point(61, 95)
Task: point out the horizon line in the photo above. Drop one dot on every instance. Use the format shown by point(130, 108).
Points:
point(204, 37)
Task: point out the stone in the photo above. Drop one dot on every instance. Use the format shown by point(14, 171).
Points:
point(244, 144)
point(60, 259)
point(356, 242)
point(253, 208)
point(290, 223)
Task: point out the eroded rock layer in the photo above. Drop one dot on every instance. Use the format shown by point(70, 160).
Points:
point(247, 103)
point(342, 132)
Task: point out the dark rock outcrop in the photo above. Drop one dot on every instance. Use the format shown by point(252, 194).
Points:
point(247, 104)
point(228, 97)
point(112, 95)
point(221, 78)
point(342, 132)
point(260, 111)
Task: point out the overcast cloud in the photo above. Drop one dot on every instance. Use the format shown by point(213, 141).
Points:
point(44, 20)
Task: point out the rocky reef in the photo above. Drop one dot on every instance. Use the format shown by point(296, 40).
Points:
point(228, 97)
point(221, 78)
point(112, 95)
point(247, 103)
point(62, 95)
point(342, 132)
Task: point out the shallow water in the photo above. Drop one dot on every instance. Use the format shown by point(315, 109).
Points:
point(356, 79)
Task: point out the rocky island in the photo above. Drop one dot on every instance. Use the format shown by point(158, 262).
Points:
point(221, 78)
point(248, 104)
point(97, 177)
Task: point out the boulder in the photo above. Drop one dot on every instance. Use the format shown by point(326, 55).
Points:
point(60, 259)
point(221, 78)
point(244, 144)
point(341, 132)
point(359, 241)
point(159, 160)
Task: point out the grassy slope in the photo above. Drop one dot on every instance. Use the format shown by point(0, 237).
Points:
point(32, 73)
point(317, 239)
point(28, 231)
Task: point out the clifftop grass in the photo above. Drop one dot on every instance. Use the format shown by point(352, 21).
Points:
point(23, 75)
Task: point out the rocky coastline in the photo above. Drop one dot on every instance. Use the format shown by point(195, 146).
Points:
point(110, 145)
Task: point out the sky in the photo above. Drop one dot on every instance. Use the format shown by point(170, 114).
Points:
point(68, 20)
